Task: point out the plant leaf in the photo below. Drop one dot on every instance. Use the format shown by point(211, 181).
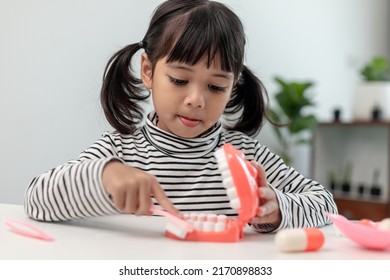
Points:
point(301, 123)
point(376, 70)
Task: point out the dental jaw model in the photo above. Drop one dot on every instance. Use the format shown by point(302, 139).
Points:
point(238, 177)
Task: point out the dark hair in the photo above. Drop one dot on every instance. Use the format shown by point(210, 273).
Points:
point(186, 31)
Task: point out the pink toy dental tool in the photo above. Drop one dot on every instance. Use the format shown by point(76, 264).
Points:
point(26, 229)
point(370, 236)
point(239, 179)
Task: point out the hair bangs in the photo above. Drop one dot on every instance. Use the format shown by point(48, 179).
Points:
point(203, 33)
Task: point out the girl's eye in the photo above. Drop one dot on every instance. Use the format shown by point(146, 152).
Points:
point(217, 88)
point(178, 82)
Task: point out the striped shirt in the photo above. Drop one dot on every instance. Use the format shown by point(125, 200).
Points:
point(185, 168)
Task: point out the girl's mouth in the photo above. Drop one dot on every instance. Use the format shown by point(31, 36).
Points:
point(189, 122)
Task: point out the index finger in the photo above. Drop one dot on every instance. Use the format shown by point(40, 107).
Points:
point(163, 200)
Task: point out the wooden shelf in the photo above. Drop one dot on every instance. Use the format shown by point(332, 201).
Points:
point(356, 209)
point(356, 123)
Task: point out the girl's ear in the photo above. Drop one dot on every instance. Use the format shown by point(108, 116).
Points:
point(146, 71)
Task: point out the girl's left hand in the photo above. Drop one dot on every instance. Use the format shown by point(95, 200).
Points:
point(269, 211)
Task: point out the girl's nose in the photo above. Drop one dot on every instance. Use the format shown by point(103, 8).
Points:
point(195, 99)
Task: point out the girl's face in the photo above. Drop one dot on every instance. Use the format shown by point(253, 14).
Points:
point(188, 99)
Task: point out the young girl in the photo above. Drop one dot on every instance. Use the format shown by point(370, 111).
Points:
point(192, 65)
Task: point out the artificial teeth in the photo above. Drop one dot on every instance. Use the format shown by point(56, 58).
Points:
point(220, 226)
point(208, 226)
point(211, 218)
point(228, 183)
point(235, 203)
point(198, 225)
point(222, 218)
point(208, 222)
point(202, 217)
point(231, 193)
point(193, 216)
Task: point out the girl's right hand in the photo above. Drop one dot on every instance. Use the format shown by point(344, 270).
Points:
point(132, 189)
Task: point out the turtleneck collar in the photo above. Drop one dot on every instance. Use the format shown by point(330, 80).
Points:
point(180, 147)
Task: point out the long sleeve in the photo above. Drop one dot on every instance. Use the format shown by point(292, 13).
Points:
point(75, 189)
point(185, 168)
point(303, 202)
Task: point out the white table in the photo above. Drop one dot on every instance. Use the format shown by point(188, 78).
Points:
point(134, 238)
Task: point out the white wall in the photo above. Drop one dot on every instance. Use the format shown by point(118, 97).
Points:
point(53, 53)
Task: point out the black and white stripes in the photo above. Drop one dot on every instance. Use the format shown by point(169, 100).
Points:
point(185, 168)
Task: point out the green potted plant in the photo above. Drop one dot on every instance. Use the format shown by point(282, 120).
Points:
point(372, 97)
point(294, 125)
point(376, 70)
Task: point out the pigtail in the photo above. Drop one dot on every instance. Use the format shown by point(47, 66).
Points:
point(122, 91)
point(249, 98)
